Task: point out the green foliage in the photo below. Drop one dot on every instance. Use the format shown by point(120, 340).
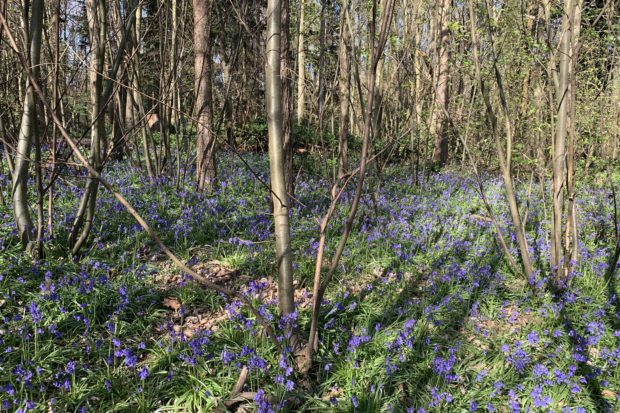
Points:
point(423, 313)
point(253, 135)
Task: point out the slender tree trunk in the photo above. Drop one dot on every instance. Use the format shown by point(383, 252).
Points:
point(344, 85)
point(38, 165)
point(28, 128)
point(206, 170)
point(174, 65)
point(320, 286)
point(286, 75)
point(412, 32)
point(301, 65)
point(273, 96)
point(559, 144)
point(173, 115)
point(321, 69)
point(121, 102)
point(504, 154)
point(56, 108)
point(564, 251)
point(228, 105)
point(96, 15)
point(148, 146)
point(440, 152)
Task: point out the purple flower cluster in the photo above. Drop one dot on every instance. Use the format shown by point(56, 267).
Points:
point(518, 357)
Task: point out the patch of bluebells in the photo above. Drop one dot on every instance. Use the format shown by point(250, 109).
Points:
point(443, 367)
point(517, 357)
point(438, 398)
point(357, 340)
point(400, 346)
point(594, 331)
point(287, 324)
point(539, 399)
point(432, 229)
point(35, 313)
point(262, 403)
point(283, 378)
point(197, 348)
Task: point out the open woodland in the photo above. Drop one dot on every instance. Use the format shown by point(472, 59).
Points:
point(310, 206)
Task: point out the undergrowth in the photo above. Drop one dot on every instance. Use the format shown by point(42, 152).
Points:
point(424, 315)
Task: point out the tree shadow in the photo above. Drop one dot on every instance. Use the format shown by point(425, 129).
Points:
point(446, 329)
point(584, 367)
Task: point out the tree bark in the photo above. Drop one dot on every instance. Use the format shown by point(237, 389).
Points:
point(28, 128)
point(206, 170)
point(56, 108)
point(321, 69)
point(273, 97)
point(301, 65)
point(96, 16)
point(564, 152)
point(286, 75)
point(344, 86)
point(139, 113)
point(504, 154)
point(440, 122)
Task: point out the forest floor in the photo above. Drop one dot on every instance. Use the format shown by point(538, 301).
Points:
point(424, 314)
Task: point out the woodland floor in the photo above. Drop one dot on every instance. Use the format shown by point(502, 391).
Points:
point(424, 315)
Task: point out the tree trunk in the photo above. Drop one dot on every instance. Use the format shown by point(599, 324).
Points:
point(203, 106)
point(344, 85)
point(286, 75)
point(95, 12)
point(273, 97)
point(563, 154)
point(228, 105)
point(439, 128)
point(321, 69)
point(301, 65)
point(56, 108)
point(28, 128)
point(504, 154)
point(139, 113)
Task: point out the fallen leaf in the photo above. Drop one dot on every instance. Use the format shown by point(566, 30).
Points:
point(172, 302)
point(608, 394)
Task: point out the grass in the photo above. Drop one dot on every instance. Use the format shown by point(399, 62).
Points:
point(423, 315)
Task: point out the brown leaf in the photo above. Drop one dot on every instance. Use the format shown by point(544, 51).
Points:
point(608, 394)
point(172, 302)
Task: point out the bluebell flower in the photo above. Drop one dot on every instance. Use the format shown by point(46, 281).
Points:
point(532, 338)
point(70, 368)
point(540, 370)
point(540, 400)
point(143, 373)
point(443, 367)
point(262, 404)
point(35, 313)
